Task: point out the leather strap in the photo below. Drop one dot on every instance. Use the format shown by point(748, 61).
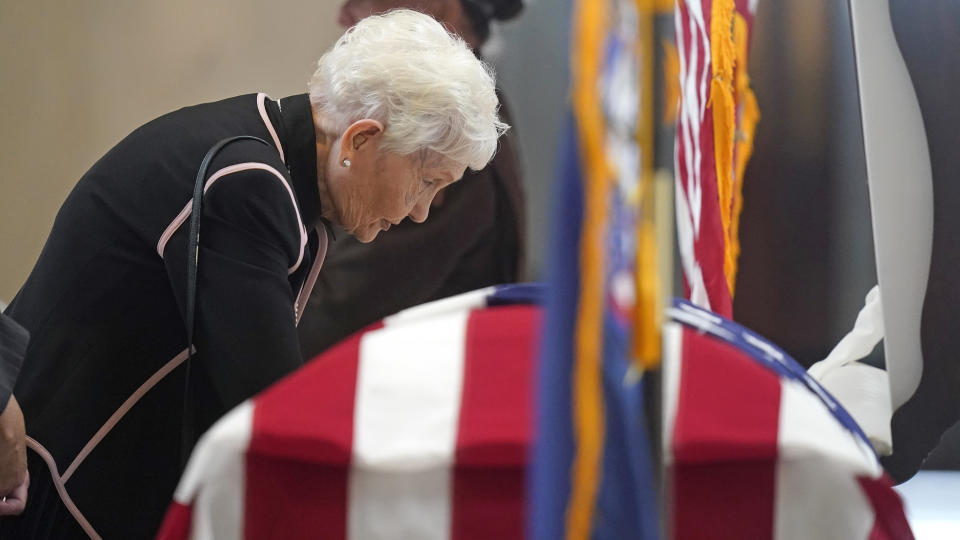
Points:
point(193, 261)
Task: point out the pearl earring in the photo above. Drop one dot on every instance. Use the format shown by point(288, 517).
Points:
point(345, 162)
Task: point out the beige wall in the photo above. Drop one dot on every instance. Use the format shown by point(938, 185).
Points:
point(75, 77)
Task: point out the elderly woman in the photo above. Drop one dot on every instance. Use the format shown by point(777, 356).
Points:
point(475, 236)
point(396, 111)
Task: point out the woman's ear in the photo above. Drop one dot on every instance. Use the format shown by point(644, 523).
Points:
point(358, 134)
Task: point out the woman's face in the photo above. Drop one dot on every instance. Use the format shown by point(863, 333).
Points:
point(379, 189)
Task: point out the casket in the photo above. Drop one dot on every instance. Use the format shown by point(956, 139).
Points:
point(755, 448)
point(418, 427)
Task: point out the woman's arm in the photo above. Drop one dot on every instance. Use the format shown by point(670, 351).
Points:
point(245, 330)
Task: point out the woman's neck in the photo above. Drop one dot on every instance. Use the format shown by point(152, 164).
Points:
point(325, 144)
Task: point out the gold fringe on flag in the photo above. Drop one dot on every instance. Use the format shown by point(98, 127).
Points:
point(722, 58)
point(749, 113)
point(588, 408)
point(671, 82)
point(648, 307)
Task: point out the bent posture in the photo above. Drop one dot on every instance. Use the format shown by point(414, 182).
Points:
point(396, 111)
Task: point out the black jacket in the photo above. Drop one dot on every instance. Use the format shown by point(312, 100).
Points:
point(105, 308)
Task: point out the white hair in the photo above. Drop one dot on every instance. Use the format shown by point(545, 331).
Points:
point(423, 83)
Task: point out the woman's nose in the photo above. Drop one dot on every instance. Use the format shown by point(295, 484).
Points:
point(421, 210)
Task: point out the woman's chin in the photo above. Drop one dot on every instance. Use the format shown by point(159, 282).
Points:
point(366, 235)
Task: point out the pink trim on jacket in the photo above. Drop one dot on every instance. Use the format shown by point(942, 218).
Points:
point(174, 225)
point(304, 296)
point(61, 489)
point(182, 216)
point(261, 97)
point(124, 408)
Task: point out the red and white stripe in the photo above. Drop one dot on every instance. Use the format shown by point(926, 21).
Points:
point(752, 455)
point(699, 229)
point(416, 429)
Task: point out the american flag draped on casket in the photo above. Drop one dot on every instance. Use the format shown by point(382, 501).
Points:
point(415, 428)
point(755, 448)
point(421, 428)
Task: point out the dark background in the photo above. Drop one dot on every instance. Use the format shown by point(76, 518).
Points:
point(807, 249)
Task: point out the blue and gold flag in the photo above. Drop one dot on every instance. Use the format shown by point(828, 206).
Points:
point(593, 473)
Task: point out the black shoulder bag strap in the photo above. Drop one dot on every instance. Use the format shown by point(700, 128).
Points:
point(193, 260)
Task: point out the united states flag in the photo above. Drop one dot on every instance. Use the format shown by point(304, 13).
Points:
point(416, 428)
point(420, 428)
point(715, 126)
point(755, 448)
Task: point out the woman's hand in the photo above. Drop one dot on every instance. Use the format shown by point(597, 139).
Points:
point(13, 460)
point(14, 503)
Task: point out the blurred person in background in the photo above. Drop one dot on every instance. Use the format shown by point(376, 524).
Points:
point(475, 235)
point(396, 111)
